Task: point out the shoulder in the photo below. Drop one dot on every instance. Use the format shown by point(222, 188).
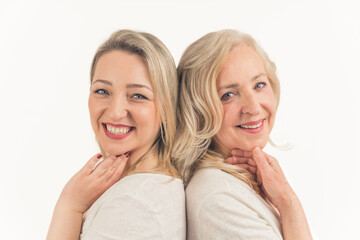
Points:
point(144, 186)
point(209, 184)
point(218, 204)
point(210, 181)
point(163, 195)
point(139, 202)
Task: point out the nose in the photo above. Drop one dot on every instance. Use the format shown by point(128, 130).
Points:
point(250, 104)
point(118, 108)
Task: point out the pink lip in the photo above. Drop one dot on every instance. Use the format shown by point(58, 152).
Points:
point(114, 136)
point(252, 123)
point(117, 125)
point(253, 130)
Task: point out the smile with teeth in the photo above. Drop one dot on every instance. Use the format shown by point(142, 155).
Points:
point(251, 126)
point(117, 130)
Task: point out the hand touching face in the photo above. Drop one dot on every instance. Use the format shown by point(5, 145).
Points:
point(87, 185)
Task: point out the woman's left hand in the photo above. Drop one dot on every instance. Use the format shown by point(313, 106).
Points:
point(272, 180)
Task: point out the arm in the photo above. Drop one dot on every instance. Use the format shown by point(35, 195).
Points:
point(278, 191)
point(81, 192)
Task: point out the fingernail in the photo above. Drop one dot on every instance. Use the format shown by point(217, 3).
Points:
point(257, 150)
point(99, 156)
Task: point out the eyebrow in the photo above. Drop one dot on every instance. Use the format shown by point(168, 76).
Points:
point(232, 85)
point(135, 85)
point(130, 85)
point(102, 81)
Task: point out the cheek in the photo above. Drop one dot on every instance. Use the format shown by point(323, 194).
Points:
point(94, 111)
point(91, 108)
point(272, 119)
point(224, 135)
point(146, 116)
point(229, 116)
point(271, 108)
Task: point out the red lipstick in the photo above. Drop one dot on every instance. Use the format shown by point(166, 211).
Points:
point(117, 136)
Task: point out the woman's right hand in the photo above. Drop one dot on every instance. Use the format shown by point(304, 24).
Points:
point(88, 184)
point(277, 189)
point(272, 179)
point(82, 190)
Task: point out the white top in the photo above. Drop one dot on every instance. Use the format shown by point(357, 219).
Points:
point(220, 206)
point(139, 206)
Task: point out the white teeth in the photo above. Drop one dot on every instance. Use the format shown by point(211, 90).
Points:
point(117, 131)
point(251, 126)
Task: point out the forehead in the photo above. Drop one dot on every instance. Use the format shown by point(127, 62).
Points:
point(119, 66)
point(241, 64)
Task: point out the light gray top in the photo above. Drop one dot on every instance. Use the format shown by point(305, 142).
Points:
point(220, 206)
point(140, 206)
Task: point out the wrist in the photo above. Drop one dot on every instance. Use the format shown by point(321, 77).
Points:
point(68, 206)
point(288, 203)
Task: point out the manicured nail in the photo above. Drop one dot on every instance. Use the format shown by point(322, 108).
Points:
point(99, 156)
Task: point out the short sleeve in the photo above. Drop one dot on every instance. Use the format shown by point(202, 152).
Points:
point(224, 216)
point(123, 218)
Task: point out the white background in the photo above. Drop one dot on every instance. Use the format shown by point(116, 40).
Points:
point(46, 48)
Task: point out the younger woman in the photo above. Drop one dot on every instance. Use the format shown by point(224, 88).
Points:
point(135, 192)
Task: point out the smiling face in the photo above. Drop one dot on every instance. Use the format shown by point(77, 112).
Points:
point(122, 106)
point(248, 101)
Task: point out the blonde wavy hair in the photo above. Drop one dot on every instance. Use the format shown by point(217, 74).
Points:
point(163, 76)
point(200, 112)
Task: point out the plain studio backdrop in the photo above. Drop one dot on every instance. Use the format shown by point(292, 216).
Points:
point(46, 49)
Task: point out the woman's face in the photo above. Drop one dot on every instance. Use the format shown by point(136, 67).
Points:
point(122, 107)
point(248, 101)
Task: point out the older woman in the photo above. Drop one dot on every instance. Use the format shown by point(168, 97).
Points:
point(135, 192)
point(229, 93)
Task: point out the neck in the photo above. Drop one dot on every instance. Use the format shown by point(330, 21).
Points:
point(145, 164)
point(223, 150)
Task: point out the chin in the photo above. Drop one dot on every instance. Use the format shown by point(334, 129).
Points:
point(116, 151)
point(250, 145)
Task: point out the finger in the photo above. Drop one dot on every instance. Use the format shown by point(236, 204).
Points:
point(273, 162)
point(240, 153)
point(104, 166)
point(237, 160)
point(117, 169)
point(251, 169)
point(230, 160)
point(90, 165)
point(261, 161)
point(252, 162)
point(244, 166)
point(258, 177)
